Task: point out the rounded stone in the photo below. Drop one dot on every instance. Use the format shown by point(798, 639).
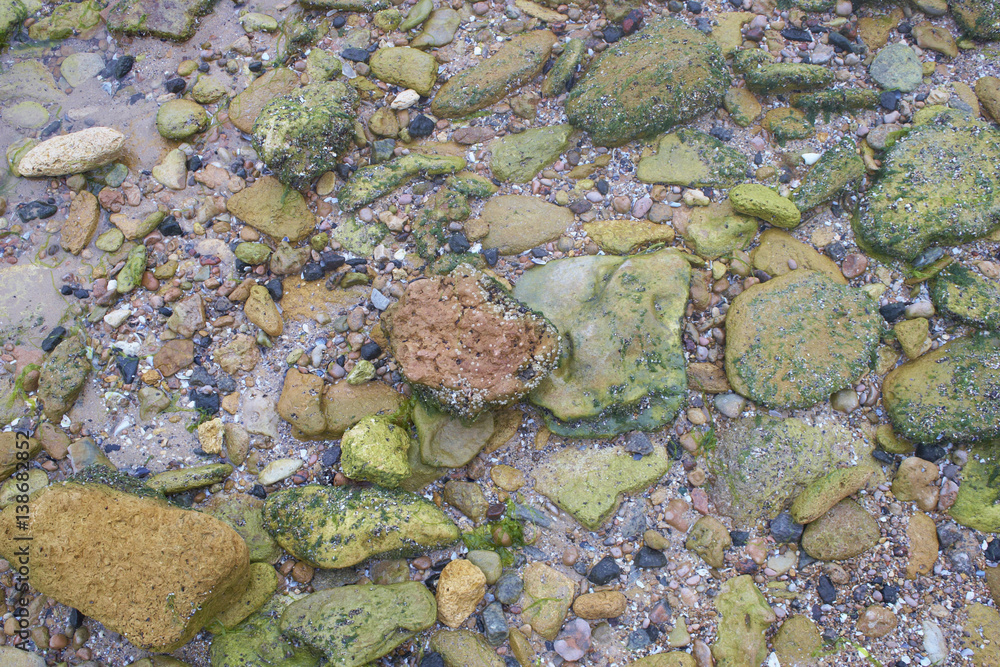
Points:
point(846, 531)
point(461, 586)
point(181, 119)
point(896, 67)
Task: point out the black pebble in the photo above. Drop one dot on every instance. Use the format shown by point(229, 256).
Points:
point(890, 594)
point(111, 448)
point(703, 24)
point(882, 456)
point(604, 571)
point(674, 450)
point(739, 537)
point(784, 528)
point(653, 631)
point(492, 256)
point(331, 455)
point(256, 66)
point(904, 28)
point(421, 126)
point(649, 558)
point(993, 550)
point(459, 243)
point(356, 261)
point(194, 163)
point(355, 55)
point(930, 452)
point(203, 68)
point(81, 293)
point(889, 100)
point(432, 660)
point(330, 261)
point(339, 21)
point(344, 170)
point(694, 6)
point(675, 6)
point(75, 619)
point(258, 491)
point(65, 290)
point(839, 41)
point(797, 35)
point(538, 252)
point(785, 176)
point(54, 338)
point(721, 133)
point(275, 289)
point(207, 402)
point(141, 471)
point(36, 210)
point(128, 367)
point(312, 271)
point(836, 251)
point(860, 593)
point(170, 227)
point(123, 66)
point(51, 128)
point(638, 443)
point(602, 186)
point(758, 158)
point(175, 85)
point(612, 34)
point(166, 312)
point(370, 351)
point(827, 593)
point(893, 311)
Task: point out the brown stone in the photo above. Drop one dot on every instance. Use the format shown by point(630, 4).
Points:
point(854, 265)
point(188, 316)
point(916, 480)
point(473, 135)
point(240, 354)
point(260, 309)
point(344, 405)
point(922, 534)
point(81, 223)
point(602, 604)
point(877, 621)
point(300, 403)
point(461, 586)
point(708, 378)
point(54, 442)
point(174, 356)
point(12, 444)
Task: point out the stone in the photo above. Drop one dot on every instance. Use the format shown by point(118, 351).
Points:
point(671, 659)
point(693, 159)
point(133, 229)
point(210, 435)
point(589, 484)
point(778, 248)
point(186, 479)
point(258, 641)
point(12, 14)
point(944, 394)
point(356, 625)
point(514, 350)
point(72, 153)
point(913, 336)
point(449, 442)
point(172, 171)
point(130, 277)
point(334, 527)
point(746, 616)
point(743, 107)
point(600, 604)
point(517, 223)
point(896, 67)
point(917, 480)
point(274, 209)
point(67, 19)
point(564, 68)
point(300, 403)
point(507, 478)
point(519, 157)
point(773, 327)
point(467, 498)
point(983, 628)
point(546, 599)
point(169, 20)
point(188, 316)
point(922, 534)
point(517, 62)
point(81, 223)
point(62, 377)
point(252, 253)
point(243, 513)
point(716, 230)
point(976, 503)
point(13, 444)
point(26, 115)
point(797, 642)
point(877, 622)
point(979, 19)
point(966, 295)
point(181, 119)
point(460, 588)
point(29, 79)
point(110, 241)
point(787, 124)
point(245, 107)
point(777, 78)
point(648, 83)
point(709, 538)
point(836, 169)
point(405, 67)
point(603, 301)
point(929, 36)
point(488, 562)
point(344, 405)
point(371, 182)
point(845, 531)
point(964, 156)
point(762, 202)
point(260, 309)
point(621, 237)
point(93, 518)
point(988, 91)
point(462, 648)
point(17, 657)
point(439, 28)
point(278, 470)
point(84, 453)
point(375, 450)
point(303, 134)
point(822, 494)
point(208, 90)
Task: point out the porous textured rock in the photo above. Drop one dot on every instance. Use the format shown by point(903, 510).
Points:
point(693, 159)
point(170, 19)
point(375, 450)
point(62, 377)
point(843, 532)
point(746, 616)
point(546, 599)
point(405, 67)
point(273, 208)
point(72, 153)
point(461, 586)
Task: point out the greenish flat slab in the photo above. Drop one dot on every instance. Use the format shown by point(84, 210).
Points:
point(692, 158)
point(839, 167)
point(519, 157)
point(185, 479)
point(966, 295)
point(976, 505)
point(170, 19)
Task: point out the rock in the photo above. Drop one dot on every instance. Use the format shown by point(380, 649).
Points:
point(519, 157)
point(601, 604)
point(12, 14)
point(488, 562)
point(964, 155)
point(260, 309)
point(945, 393)
point(185, 479)
point(405, 67)
point(467, 497)
point(245, 107)
point(693, 159)
point(262, 583)
point(965, 295)
point(896, 67)
point(671, 659)
point(746, 616)
point(762, 202)
point(515, 350)
point(647, 83)
point(546, 599)
point(176, 20)
point(303, 134)
point(67, 19)
point(375, 450)
point(243, 513)
point(564, 68)
point(278, 470)
point(825, 492)
point(976, 503)
point(93, 518)
point(983, 626)
point(518, 222)
point(208, 90)
point(131, 274)
point(797, 642)
point(846, 531)
point(62, 377)
point(835, 333)
point(273, 208)
point(877, 622)
point(922, 535)
point(621, 237)
point(589, 484)
point(85, 453)
point(461, 586)
point(507, 478)
point(917, 480)
point(252, 253)
point(300, 403)
point(152, 401)
point(775, 460)
point(786, 124)
point(742, 105)
point(979, 19)
point(439, 29)
point(517, 62)
point(929, 36)
point(72, 153)
point(210, 436)
point(777, 249)
point(344, 405)
point(79, 67)
point(709, 538)
point(13, 444)
point(26, 115)
point(17, 657)
point(259, 641)
point(839, 167)
point(181, 119)
point(188, 316)
point(355, 625)
point(787, 77)
point(449, 442)
point(371, 182)
point(462, 648)
point(988, 92)
point(716, 230)
point(332, 527)
point(81, 223)
point(601, 302)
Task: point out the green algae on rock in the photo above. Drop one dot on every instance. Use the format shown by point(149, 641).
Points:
point(369, 183)
point(258, 641)
point(62, 377)
point(375, 450)
point(976, 504)
point(762, 202)
point(519, 157)
point(273, 208)
point(796, 339)
point(181, 119)
point(169, 19)
point(836, 169)
point(622, 308)
point(787, 77)
point(564, 68)
point(966, 295)
point(68, 19)
point(516, 63)
point(356, 625)
point(185, 479)
point(947, 394)
point(245, 107)
point(12, 14)
point(406, 67)
point(979, 19)
point(465, 648)
point(896, 67)
point(776, 248)
point(831, 101)
point(333, 527)
point(693, 159)
point(745, 618)
point(622, 237)
point(244, 514)
point(516, 223)
point(648, 82)
point(716, 230)
point(825, 492)
point(845, 531)
point(589, 483)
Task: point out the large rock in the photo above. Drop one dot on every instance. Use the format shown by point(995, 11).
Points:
point(947, 394)
point(463, 342)
point(258, 642)
point(980, 19)
point(896, 67)
point(967, 296)
point(375, 450)
point(760, 465)
point(648, 82)
point(777, 249)
point(844, 532)
point(693, 159)
point(123, 556)
point(333, 527)
point(66, 20)
point(356, 625)
point(516, 63)
point(447, 441)
point(622, 365)
point(716, 230)
point(273, 208)
point(12, 13)
point(73, 153)
point(795, 339)
point(787, 77)
point(62, 377)
point(519, 157)
point(344, 405)
point(462, 648)
point(170, 19)
point(302, 135)
point(976, 505)
point(746, 616)
point(245, 107)
point(516, 223)
point(839, 167)
point(940, 184)
point(13, 447)
point(590, 484)
point(369, 183)
point(405, 67)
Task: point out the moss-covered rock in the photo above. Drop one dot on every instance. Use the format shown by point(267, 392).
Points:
point(276, 209)
point(742, 105)
point(181, 119)
point(693, 159)
point(832, 101)
point(777, 247)
point(62, 377)
point(68, 19)
point(369, 183)
point(839, 167)
point(746, 616)
point(822, 494)
point(896, 67)
point(762, 202)
point(564, 68)
point(356, 625)
point(185, 479)
point(12, 14)
point(716, 230)
point(516, 223)
point(976, 504)
point(130, 276)
point(516, 63)
point(947, 393)
point(519, 157)
point(648, 82)
point(169, 19)
point(787, 77)
point(244, 514)
point(966, 295)
point(405, 67)
point(622, 308)
point(464, 648)
point(709, 538)
point(245, 107)
point(796, 339)
point(262, 582)
point(845, 531)
point(979, 19)
point(302, 135)
point(787, 124)
point(622, 237)
point(258, 642)
point(438, 29)
point(375, 450)
point(334, 527)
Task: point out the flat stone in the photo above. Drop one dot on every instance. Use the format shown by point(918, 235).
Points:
point(621, 237)
point(896, 67)
point(405, 67)
point(746, 616)
point(519, 157)
point(176, 19)
point(716, 230)
point(762, 202)
point(693, 159)
point(546, 599)
point(778, 249)
point(518, 222)
point(273, 208)
point(845, 531)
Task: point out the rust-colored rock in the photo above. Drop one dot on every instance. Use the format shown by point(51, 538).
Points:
point(174, 356)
